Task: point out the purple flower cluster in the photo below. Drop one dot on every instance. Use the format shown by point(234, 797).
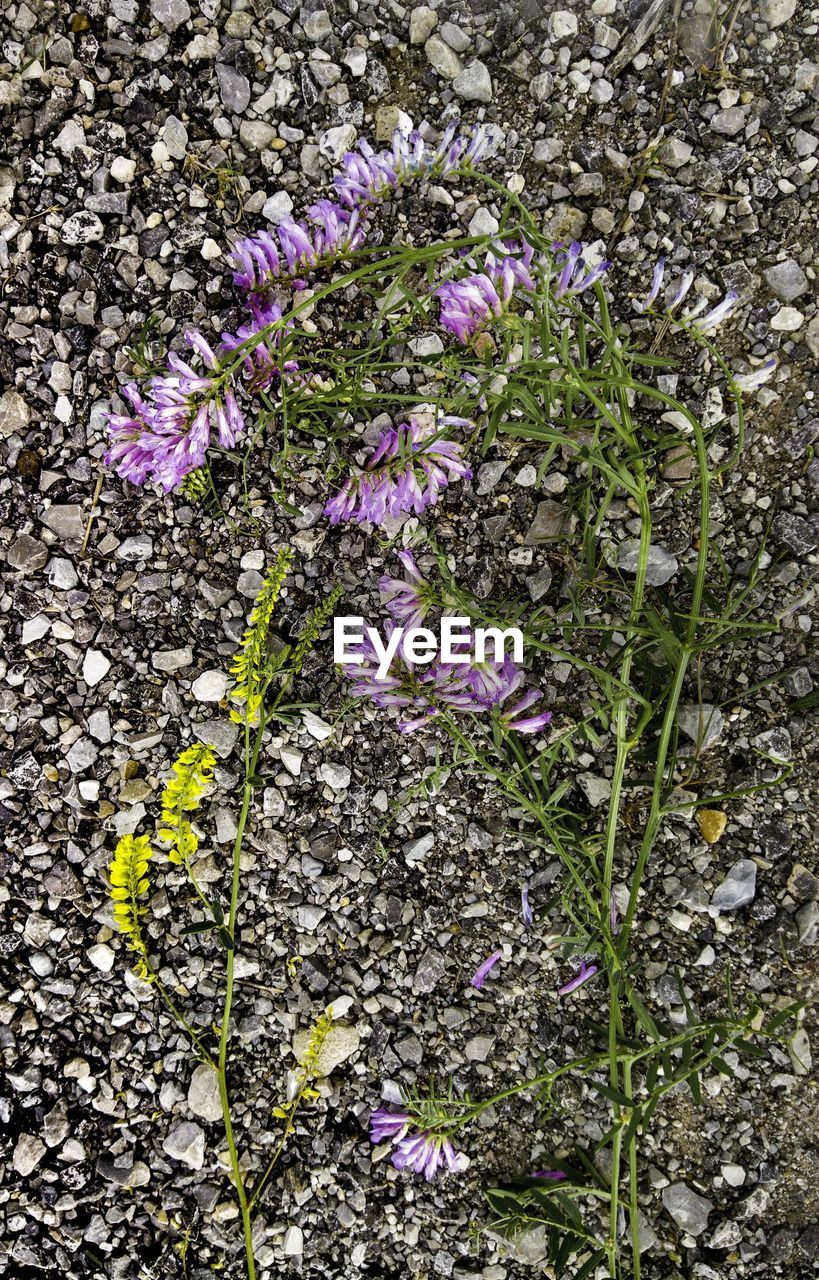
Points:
point(470, 303)
point(574, 277)
point(262, 362)
point(170, 428)
point(169, 432)
point(705, 322)
point(422, 691)
point(407, 600)
point(409, 469)
point(262, 259)
point(417, 1149)
point(369, 175)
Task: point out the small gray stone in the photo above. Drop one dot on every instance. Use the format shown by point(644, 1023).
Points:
point(431, 968)
point(596, 790)
point(175, 136)
point(337, 776)
point(203, 1094)
point(28, 1152)
point(172, 659)
point(795, 533)
point(738, 888)
point(489, 473)
point(422, 23)
point(728, 122)
point(689, 1211)
point(562, 24)
point(317, 25)
point(82, 755)
point(139, 547)
point(186, 1143)
point(774, 742)
point(333, 143)
point(95, 667)
point(541, 88)
point(474, 84)
point(65, 520)
point(786, 280)
point(277, 207)
point(82, 228)
point(234, 88)
point(660, 565)
point(548, 524)
point(27, 554)
point(15, 414)
point(701, 722)
point(727, 1236)
point(479, 1048)
point(211, 686)
point(171, 13)
point(674, 153)
point(417, 850)
point(777, 12)
point(293, 1243)
point(445, 60)
point(538, 583)
point(456, 38)
point(256, 135)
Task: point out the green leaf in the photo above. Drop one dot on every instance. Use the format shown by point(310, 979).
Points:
point(201, 926)
point(642, 1015)
point(225, 939)
point(614, 1095)
point(217, 913)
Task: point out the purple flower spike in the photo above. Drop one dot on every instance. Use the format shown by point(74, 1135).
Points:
point(470, 303)
point(424, 1153)
point(585, 972)
point(407, 599)
point(525, 908)
point(368, 175)
point(720, 312)
point(479, 976)
point(409, 469)
point(170, 431)
point(552, 1175)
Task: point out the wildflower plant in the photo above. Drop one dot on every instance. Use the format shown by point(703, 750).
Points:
point(537, 352)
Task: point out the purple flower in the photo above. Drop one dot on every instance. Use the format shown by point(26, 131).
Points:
point(369, 175)
point(170, 431)
point(750, 381)
point(486, 685)
point(425, 1152)
point(410, 467)
point(408, 600)
point(718, 313)
point(553, 1175)
point(571, 279)
point(525, 908)
point(656, 282)
point(480, 975)
point(391, 1125)
point(583, 974)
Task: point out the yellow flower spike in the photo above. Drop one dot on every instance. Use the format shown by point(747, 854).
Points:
point(192, 772)
point(128, 874)
point(254, 664)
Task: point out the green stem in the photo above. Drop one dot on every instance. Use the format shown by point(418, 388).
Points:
point(251, 760)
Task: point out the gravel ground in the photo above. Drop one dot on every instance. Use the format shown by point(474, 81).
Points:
point(137, 138)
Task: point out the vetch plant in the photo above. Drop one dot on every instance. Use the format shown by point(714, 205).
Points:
point(389, 370)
